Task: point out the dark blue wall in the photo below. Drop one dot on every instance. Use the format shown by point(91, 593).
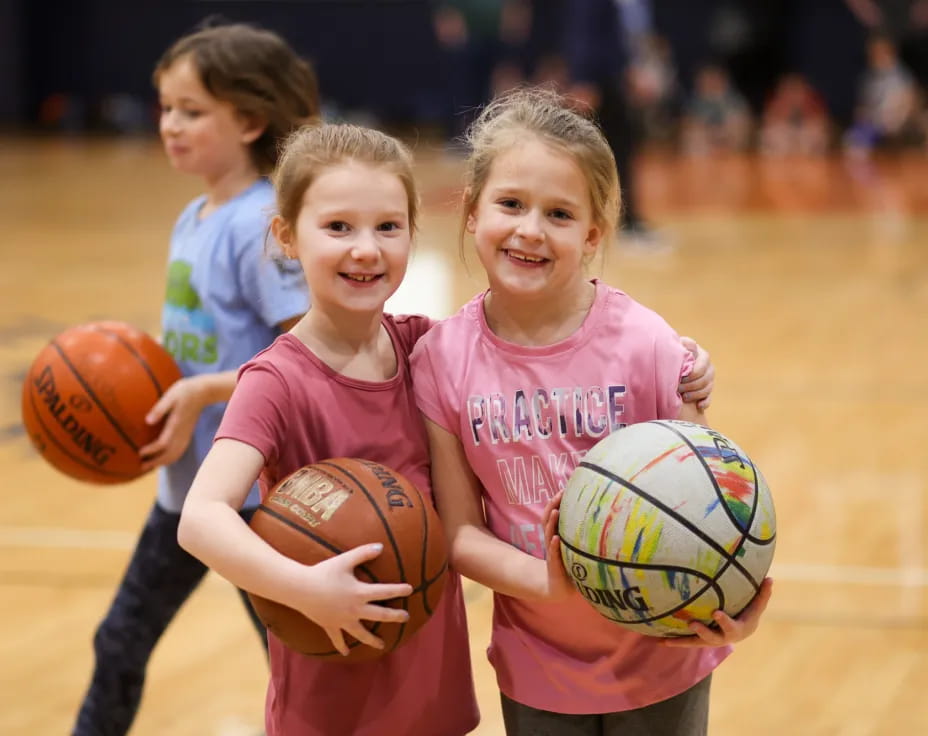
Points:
point(372, 54)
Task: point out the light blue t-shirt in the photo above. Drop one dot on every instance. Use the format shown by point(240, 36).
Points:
point(225, 296)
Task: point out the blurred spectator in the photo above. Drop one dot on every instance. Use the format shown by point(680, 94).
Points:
point(889, 109)
point(795, 120)
point(515, 27)
point(653, 80)
point(716, 118)
point(905, 23)
point(479, 42)
point(599, 62)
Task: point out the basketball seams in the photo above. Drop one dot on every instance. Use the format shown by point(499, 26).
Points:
point(710, 582)
point(307, 533)
point(428, 582)
point(715, 481)
point(92, 395)
point(136, 354)
point(389, 532)
point(361, 481)
point(746, 532)
point(374, 628)
point(674, 515)
point(423, 573)
point(393, 544)
point(48, 435)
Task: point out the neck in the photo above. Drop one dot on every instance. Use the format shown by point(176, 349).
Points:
point(230, 183)
point(538, 321)
point(343, 333)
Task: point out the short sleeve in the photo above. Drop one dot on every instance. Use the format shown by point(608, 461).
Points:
point(257, 412)
point(432, 394)
point(272, 284)
point(672, 361)
point(411, 327)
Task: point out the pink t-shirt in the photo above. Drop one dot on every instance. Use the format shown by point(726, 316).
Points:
point(296, 410)
point(525, 416)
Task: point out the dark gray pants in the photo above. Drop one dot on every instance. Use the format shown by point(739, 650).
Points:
point(160, 577)
point(686, 714)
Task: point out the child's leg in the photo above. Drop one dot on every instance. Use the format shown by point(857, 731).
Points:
point(686, 714)
point(160, 577)
point(523, 720)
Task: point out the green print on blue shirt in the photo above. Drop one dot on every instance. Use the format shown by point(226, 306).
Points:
point(197, 343)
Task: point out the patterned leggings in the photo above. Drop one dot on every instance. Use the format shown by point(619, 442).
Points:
point(160, 577)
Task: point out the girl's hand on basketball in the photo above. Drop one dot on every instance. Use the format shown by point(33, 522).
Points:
point(338, 601)
point(730, 630)
point(559, 583)
point(696, 386)
point(179, 407)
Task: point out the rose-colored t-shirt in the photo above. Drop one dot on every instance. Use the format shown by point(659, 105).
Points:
point(296, 410)
point(525, 416)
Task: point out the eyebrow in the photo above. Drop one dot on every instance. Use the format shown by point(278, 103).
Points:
point(343, 213)
point(184, 100)
point(510, 191)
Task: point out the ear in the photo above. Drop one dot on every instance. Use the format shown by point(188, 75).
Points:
point(593, 238)
point(283, 234)
point(253, 127)
point(470, 219)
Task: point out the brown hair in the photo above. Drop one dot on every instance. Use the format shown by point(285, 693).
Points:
point(313, 148)
point(258, 73)
point(545, 114)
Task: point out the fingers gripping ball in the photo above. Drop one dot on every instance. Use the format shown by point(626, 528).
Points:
point(663, 523)
point(86, 395)
point(333, 506)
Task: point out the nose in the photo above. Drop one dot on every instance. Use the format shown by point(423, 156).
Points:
point(365, 247)
point(168, 122)
point(531, 226)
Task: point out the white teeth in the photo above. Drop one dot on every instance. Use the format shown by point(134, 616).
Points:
point(360, 277)
point(527, 259)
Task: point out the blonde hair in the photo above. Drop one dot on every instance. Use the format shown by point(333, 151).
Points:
point(314, 148)
point(545, 114)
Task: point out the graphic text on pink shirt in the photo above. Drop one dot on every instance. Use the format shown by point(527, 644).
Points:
point(594, 411)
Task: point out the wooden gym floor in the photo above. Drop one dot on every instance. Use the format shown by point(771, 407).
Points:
point(807, 281)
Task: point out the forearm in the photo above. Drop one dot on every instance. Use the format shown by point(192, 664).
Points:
point(479, 555)
point(214, 388)
point(692, 413)
point(213, 532)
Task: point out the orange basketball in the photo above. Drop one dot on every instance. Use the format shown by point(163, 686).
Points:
point(86, 395)
point(324, 509)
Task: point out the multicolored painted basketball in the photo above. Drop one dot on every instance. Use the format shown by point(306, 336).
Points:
point(86, 395)
point(664, 522)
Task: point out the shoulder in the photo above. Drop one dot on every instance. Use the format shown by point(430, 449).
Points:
point(269, 364)
point(459, 326)
point(622, 309)
point(409, 328)
point(250, 214)
point(188, 215)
